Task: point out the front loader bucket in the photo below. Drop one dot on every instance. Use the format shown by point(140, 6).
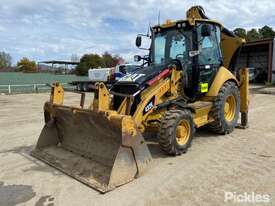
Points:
point(103, 151)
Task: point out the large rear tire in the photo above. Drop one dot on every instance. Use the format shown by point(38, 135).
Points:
point(226, 109)
point(176, 131)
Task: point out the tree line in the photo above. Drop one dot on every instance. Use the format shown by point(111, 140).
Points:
point(5, 60)
point(87, 61)
point(24, 65)
point(255, 34)
point(95, 61)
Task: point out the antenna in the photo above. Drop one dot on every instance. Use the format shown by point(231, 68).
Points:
point(159, 18)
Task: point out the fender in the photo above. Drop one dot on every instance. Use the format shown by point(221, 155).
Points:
point(222, 76)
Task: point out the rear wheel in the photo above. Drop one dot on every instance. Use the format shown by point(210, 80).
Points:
point(176, 131)
point(226, 109)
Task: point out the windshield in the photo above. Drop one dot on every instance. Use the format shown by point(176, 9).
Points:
point(171, 44)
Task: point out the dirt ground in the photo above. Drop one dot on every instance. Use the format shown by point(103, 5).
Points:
point(243, 161)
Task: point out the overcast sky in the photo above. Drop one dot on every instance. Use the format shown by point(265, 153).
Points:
point(55, 29)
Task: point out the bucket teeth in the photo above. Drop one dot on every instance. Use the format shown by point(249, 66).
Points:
point(102, 152)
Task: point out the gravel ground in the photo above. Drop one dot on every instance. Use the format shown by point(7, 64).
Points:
point(243, 161)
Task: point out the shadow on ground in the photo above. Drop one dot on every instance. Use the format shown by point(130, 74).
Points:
point(155, 149)
point(45, 201)
point(25, 151)
point(11, 195)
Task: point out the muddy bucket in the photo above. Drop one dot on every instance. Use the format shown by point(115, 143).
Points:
point(99, 149)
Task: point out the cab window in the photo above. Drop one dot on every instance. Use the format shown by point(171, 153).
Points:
point(209, 46)
point(177, 46)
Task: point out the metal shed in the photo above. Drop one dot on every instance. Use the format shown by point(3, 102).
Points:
point(259, 54)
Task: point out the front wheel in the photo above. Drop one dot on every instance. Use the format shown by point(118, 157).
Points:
point(176, 131)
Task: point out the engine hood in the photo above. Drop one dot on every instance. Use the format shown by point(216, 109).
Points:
point(141, 76)
point(131, 83)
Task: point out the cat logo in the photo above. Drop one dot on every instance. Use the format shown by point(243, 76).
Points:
point(131, 77)
point(149, 106)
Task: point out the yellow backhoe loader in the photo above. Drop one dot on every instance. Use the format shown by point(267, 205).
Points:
point(188, 80)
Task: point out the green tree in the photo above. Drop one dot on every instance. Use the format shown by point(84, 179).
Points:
point(253, 35)
point(87, 62)
point(5, 60)
point(266, 32)
point(92, 61)
point(26, 65)
point(241, 32)
point(108, 60)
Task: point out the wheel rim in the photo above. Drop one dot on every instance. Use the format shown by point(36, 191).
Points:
point(183, 132)
point(229, 108)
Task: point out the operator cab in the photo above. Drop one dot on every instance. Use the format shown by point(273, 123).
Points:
point(196, 48)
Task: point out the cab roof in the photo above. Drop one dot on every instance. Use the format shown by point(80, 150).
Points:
point(171, 23)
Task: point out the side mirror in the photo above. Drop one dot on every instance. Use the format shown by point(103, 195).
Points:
point(137, 58)
point(138, 41)
point(205, 30)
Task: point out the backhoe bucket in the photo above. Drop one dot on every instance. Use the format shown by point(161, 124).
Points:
point(99, 149)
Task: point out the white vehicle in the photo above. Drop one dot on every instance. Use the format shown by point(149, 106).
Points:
point(101, 74)
point(110, 74)
point(106, 75)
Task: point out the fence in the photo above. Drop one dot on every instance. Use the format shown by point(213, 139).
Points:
point(29, 88)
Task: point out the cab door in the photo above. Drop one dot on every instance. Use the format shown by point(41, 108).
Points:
point(210, 56)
